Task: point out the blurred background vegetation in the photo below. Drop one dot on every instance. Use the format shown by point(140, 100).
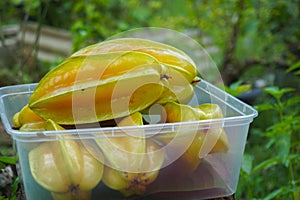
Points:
point(255, 44)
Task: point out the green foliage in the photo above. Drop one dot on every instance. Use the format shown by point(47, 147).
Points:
point(257, 32)
point(275, 174)
point(295, 67)
point(237, 88)
point(8, 160)
point(98, 20)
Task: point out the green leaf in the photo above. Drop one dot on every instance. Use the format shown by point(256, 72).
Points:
point(293, 100)
point(292, 158)
point(276, 92)
point(295, 122)
point(2, 165)
point(283, 145)
point(264, 107)
point(280, 191)
point(15, 185)
point(238, 88)
point(294, 67)
point(9, 160)
point(279, 129)
point(267, 164)
point(271, 141)
point(243, 88)
point(235, 84)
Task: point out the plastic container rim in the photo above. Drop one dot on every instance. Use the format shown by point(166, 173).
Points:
point(242, 119)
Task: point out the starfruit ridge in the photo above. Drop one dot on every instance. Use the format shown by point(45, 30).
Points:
point(164, 53)
point(141, 72)
point(173, 58)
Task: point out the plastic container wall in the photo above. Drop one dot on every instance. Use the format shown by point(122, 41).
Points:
point(216, 176)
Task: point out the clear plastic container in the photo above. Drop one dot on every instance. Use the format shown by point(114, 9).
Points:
point(216, 176)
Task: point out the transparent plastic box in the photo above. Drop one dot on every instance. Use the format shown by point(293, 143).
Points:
point(216, 176)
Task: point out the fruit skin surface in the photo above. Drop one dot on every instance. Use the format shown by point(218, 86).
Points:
point(125, 152)
point(86, 89)
point(64, 167)
point(213, 140)
point(166, 54)
point(33, 127)
point(113, 79)
point(188, 142)
point(141, 160)
point(136, 183)
point(26, 116)
point(177, 89)
point(181, 69)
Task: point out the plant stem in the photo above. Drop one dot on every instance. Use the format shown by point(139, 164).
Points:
point(295, 194)
point(279, 106)
point(292, 182)
point(292, 177)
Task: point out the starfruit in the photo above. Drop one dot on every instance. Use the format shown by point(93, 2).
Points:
point(166, 54)
point(125, 152)
point(182, 71)
point(215, 140)
point(33, 126)
point(26, 116)
point(85, 89)
point(65, 167)
point(137, 183)
point(133, 162)
point(202, 142)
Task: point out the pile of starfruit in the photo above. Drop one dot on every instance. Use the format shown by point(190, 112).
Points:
point(116, 83)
